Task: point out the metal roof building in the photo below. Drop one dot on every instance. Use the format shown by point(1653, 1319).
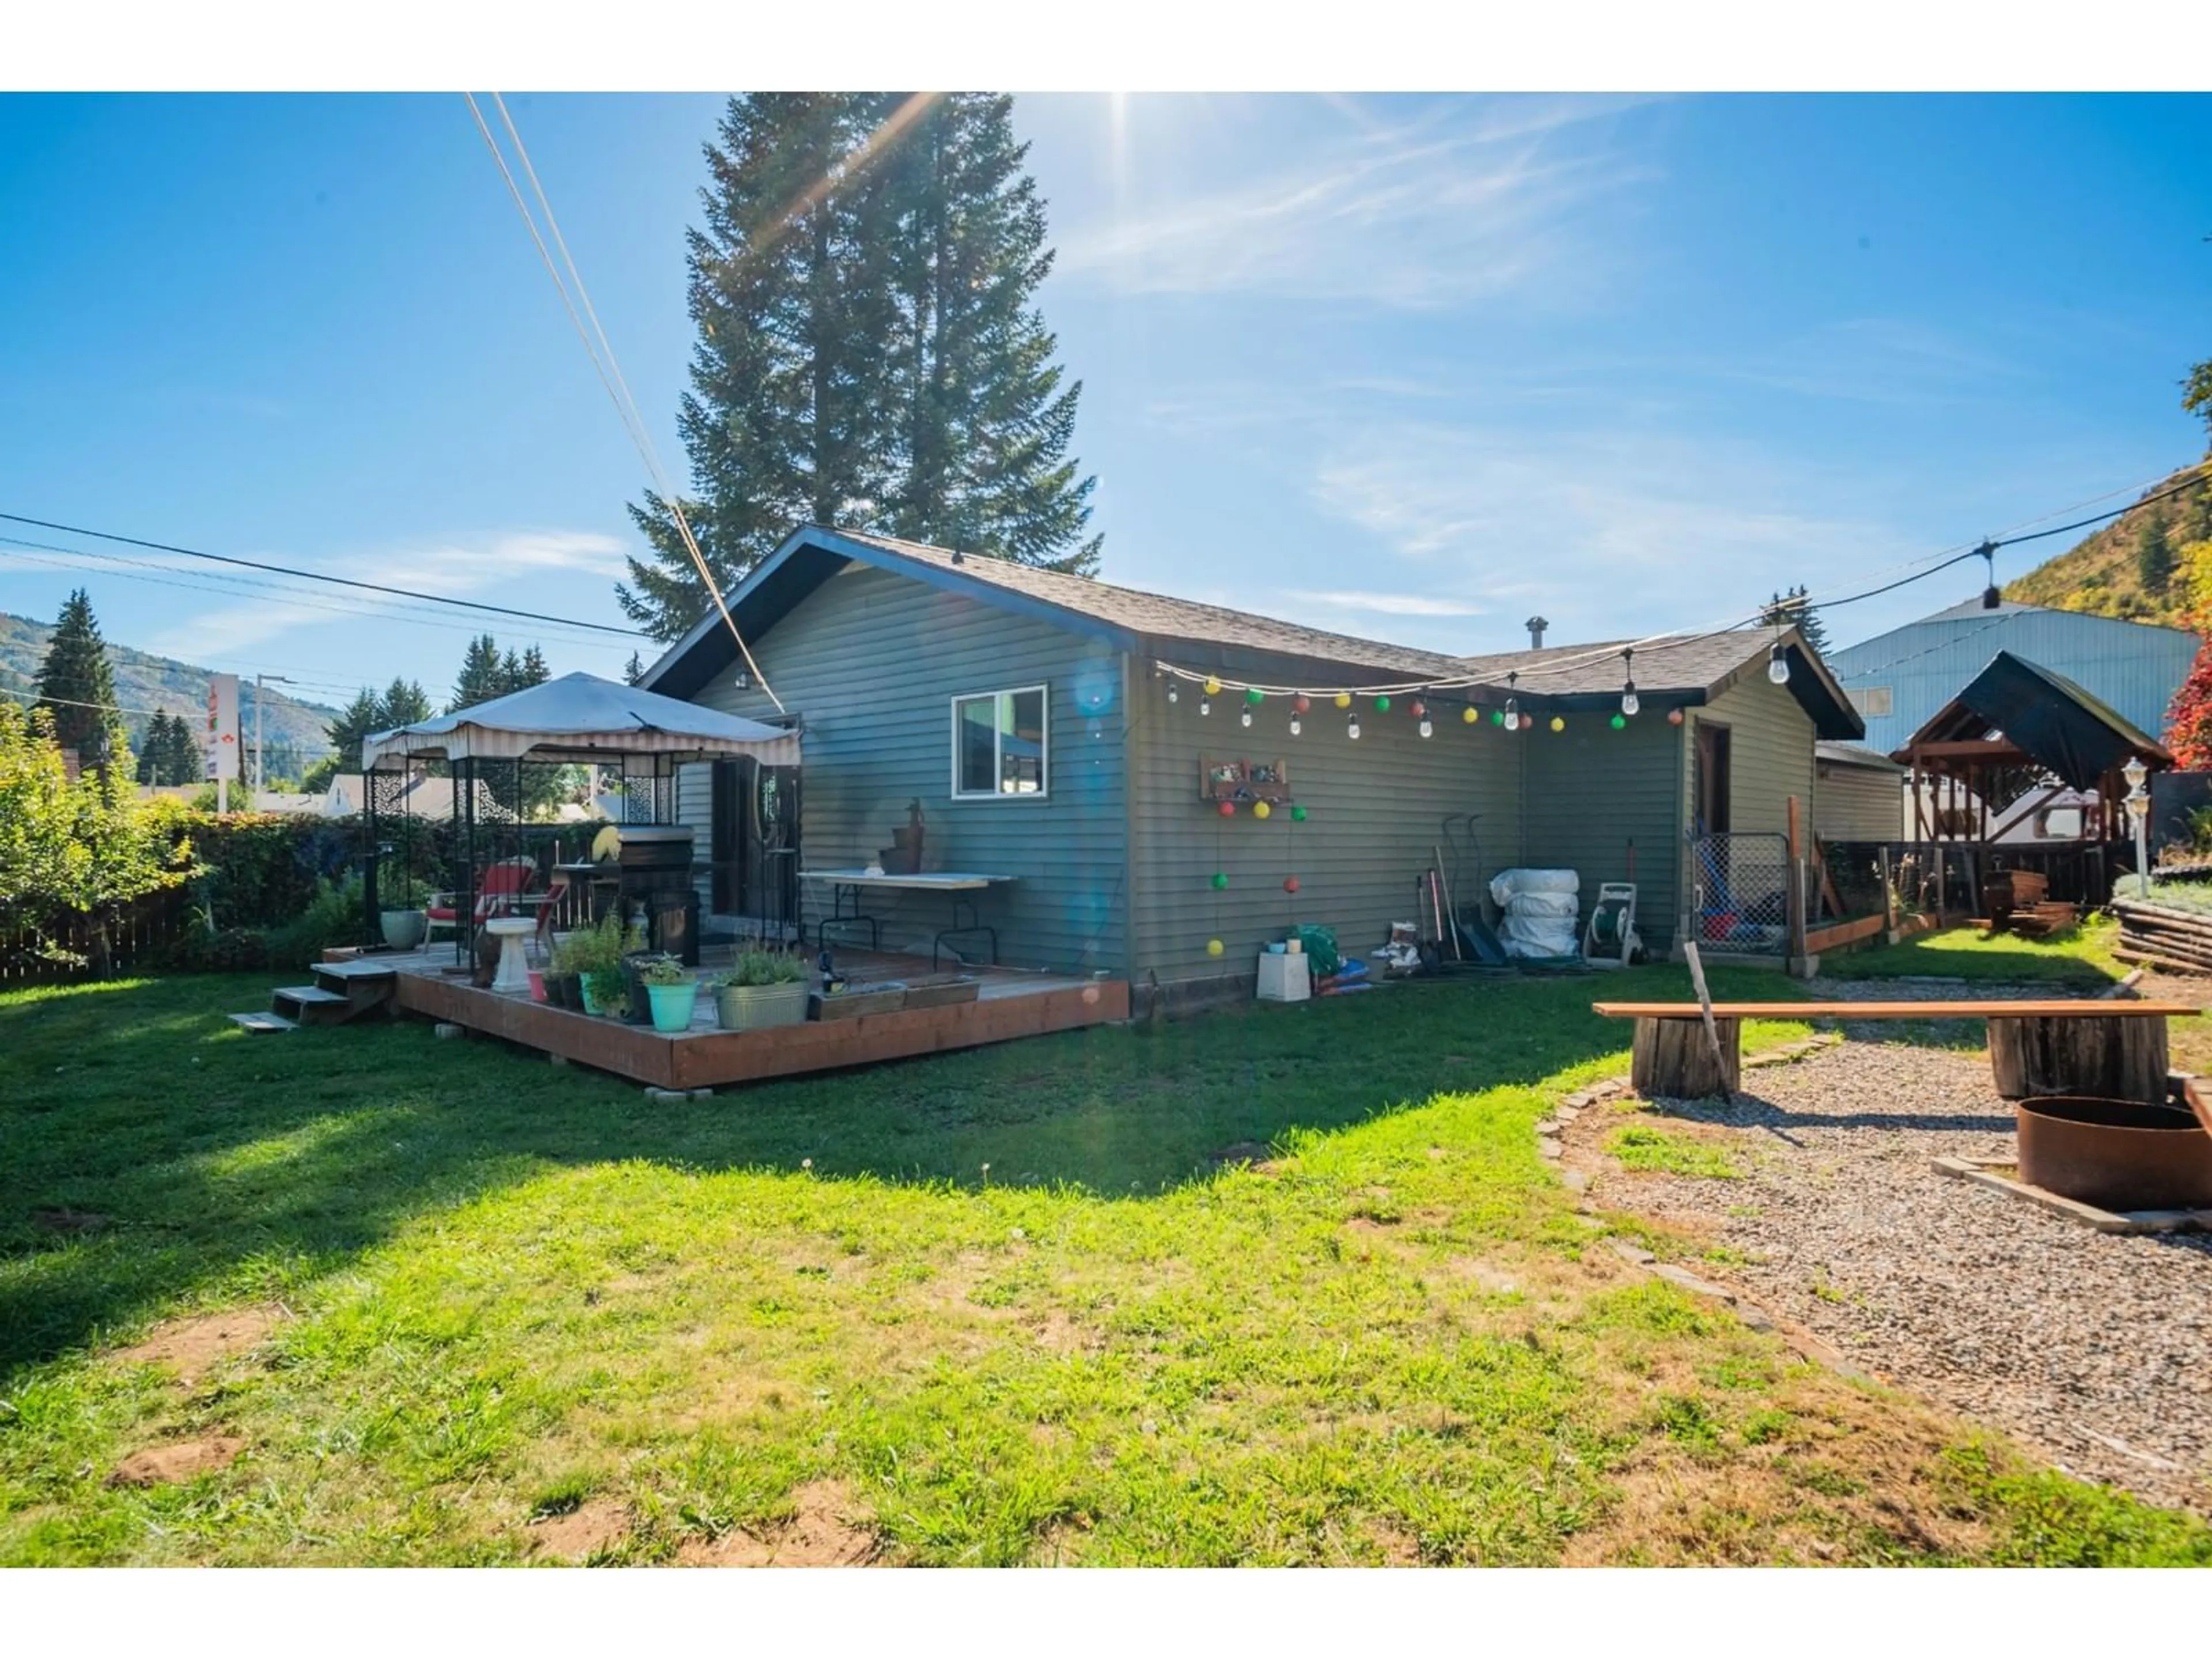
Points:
point(1899, 680)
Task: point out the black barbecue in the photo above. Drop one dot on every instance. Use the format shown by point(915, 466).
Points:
point(654, 862)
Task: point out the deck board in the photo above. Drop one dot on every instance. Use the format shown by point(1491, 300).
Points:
point(1009, 1005)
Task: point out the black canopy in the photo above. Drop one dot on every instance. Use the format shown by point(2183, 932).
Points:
point(2052, 722)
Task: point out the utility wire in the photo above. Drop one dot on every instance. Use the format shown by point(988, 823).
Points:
point(181, 579)
point(609, 370)
point(321, 576)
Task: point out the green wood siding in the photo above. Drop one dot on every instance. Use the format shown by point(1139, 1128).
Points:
point(1855, 803)
point(1375, 808)
point(1591, 792)
point(1769, 759)
point(872, 661)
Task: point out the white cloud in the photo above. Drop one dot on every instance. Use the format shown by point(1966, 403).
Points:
point(1608, 533)
point(459, 567)
point(1879, 360)
point(1391, 605)
point(1436, 212)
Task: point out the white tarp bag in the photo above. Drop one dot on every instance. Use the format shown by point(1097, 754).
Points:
point(1542, 910)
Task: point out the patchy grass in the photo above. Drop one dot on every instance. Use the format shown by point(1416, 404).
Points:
point(2080, 955)
point(1642, 1147)
point(472, 1307)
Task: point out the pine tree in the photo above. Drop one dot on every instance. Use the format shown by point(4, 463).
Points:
point(483, 675)
point(404, 703)
point(2154, 554)
point(987, 422)
point(634, 670)
point(76, 684)
point(363, 715)
point(533, 670)
point(1794, 609)
point(187, 761)
point(151, 748)
point(869, 358)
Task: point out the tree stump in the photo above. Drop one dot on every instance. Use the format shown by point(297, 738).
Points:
point(2106, 1059)
point(1672, 1058)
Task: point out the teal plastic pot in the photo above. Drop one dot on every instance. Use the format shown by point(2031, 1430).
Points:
point(672, 1005)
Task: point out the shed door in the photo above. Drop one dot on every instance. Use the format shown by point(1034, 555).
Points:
point(1712, 779)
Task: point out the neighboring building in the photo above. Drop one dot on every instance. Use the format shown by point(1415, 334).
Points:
point(1045, 725)
point(1858, 794)
point(1899, 680)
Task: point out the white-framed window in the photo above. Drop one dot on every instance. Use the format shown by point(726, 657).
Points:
point(1873, 700)
point(1000, 744)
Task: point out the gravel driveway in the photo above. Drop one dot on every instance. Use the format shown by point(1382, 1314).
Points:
point(2094, 1348)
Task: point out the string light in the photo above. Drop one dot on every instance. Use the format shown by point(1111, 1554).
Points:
point(1295, 727)
point(1204, 707)
point(1470, 715)
point(1352, 728)
point(1629, 702)
point(1512, 703)
point(1244, 717)
point(1174, 695)
point(1777, 664)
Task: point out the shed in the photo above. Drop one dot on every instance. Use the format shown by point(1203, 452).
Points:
point(1059, 729)
point(1858, 794)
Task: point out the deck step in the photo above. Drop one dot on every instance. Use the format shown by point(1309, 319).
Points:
point(309, 993)
point(259, 1022)
point(364, 967)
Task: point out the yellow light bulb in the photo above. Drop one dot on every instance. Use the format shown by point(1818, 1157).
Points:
point(1344, 699)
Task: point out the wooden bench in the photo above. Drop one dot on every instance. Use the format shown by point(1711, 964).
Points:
point(2111, 1048)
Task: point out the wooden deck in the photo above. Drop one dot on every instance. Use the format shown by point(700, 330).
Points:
point(1010, 1004)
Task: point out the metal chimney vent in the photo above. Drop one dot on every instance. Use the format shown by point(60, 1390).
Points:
point(1536, 627)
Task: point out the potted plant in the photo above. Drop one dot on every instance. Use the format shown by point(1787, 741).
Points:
point(404, 917)
point(605, 993)
point(672, 993)
point(762, 988)
point(564, 980)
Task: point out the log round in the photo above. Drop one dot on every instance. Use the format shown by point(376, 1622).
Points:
point(2110, 1059)
point(1673, 1058)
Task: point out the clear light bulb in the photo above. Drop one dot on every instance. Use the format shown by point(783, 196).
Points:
point(1174, 695)
point(1427, 730)
point(1628, 702)
point(1295, 727)
point(1245, 717)
point(1512, 715)
point(1352, 728)
point(1778, 666)
point(1204, 707)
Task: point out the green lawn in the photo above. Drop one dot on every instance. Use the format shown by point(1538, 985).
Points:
point(1000, 1306)
point(2080, 955)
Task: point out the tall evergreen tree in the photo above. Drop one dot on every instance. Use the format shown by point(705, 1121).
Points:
point(151, 748)
point(1793, 608)
point(404, 703)
point(868, 355)
point(984, 465)
point(78, 685)
point(483, 675)
point(531, 671)
point(634, 670)
point(2154, 554)
point(363, 715)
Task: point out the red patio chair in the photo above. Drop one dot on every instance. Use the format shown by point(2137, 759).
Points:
point(505, 891)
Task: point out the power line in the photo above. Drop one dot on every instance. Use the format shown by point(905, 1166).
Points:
point(246, 586)
point(609, 371)
point(322, 576)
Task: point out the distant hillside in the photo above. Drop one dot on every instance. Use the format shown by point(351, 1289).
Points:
point(145, 681)
point(2102, 573)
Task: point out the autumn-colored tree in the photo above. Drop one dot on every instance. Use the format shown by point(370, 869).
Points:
point(2189, 717)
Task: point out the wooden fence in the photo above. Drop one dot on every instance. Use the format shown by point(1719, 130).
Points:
point(137, 939)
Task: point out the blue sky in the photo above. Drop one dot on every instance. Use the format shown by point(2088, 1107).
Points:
point(1407, 367)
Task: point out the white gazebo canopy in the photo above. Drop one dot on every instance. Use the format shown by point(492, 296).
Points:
point(580, 718)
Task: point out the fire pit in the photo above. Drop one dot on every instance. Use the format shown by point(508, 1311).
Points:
point(2116, 1154)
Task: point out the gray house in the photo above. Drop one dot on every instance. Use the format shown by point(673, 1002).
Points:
point(1060, 731)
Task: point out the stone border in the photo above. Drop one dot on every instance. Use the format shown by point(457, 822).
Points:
point(1552, 1149)
point(1982, 1172)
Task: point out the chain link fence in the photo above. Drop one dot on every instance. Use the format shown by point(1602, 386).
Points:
point(1739, 893)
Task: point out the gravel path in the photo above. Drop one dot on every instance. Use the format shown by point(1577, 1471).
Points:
point(2094, 1348)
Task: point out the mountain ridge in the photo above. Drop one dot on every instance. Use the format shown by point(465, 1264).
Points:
point(144, 680)
point(2099, 574)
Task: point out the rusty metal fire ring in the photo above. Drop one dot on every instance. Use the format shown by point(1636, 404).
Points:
point(2116, 1154)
